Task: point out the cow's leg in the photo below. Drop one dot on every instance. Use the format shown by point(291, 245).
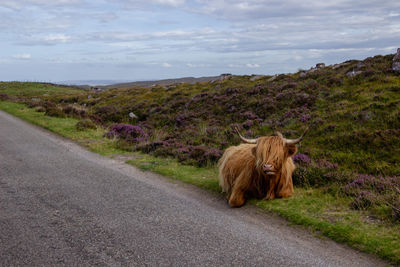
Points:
point(271, 189)
point(286, 191)
point(237, 198)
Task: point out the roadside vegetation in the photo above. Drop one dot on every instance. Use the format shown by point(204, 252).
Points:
point(348, 172)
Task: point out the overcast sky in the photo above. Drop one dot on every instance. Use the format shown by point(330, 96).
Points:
point(58, 40)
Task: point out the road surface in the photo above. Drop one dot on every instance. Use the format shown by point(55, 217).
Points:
point(61, 205)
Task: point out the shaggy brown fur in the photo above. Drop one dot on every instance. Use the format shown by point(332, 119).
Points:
point(241, 173)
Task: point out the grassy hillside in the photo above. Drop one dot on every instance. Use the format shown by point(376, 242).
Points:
point(347, 178)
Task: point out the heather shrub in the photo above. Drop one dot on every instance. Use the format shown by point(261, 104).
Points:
point(334, 81)
point(127, 132)
point(151, 146)
point(302, 159)
point(396, 210)
point(165, 148)
point(323, 163)
point(74, 112)
point(85, 124)
point(318, 173)
point(368, 191)
point(40, 109)
point(199, 155)
point(48, 105)
point(108, 113)
point(310, 176)
point(4, 97)
point(54, 112)
point(364, 200)
point(378, 184)
point(69, 99)
point(34, 102)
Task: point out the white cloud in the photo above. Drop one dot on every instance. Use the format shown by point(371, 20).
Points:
point(24, 56)
point(57, 38)
point(261, 9)
point(22, 4)
point(144, 4)
point(166, 65)
point(250, 65)
point(104, 17)
point(49, 39)
point(200, 65)
point(174, 3)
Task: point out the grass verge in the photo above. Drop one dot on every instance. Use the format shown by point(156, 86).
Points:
point(325, 213)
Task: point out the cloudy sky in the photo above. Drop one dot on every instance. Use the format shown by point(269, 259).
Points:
point(58, 40)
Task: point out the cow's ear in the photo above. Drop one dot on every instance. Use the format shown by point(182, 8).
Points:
point(291, 150)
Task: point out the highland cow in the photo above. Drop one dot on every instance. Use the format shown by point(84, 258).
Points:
point(260, 168)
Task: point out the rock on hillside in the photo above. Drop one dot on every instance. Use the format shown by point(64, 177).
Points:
point(396, 62)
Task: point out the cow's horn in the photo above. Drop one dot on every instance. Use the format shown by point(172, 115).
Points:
point(296, 141)
point(249, 141)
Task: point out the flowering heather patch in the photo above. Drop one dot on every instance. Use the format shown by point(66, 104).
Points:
point(73, 111)
point(305, 117)
point(198, 155)
point(249, 115)
point(159, 148)
point(378, 184)
point(130, 133)
point(247, 124)
point(330, 127)
point(302, 159)
point(396, 211)
point(364, 200)
point(181, 120)
point(369, 190)
point(327, 164)
point(109, 113)
point(4, 97)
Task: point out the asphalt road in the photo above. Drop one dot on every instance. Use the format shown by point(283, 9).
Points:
point(62, 205)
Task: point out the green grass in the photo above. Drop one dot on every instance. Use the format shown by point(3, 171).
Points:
point(90, 138)
point(202, 177)
point(325, 213)
point(32, 89)
point(65, 127)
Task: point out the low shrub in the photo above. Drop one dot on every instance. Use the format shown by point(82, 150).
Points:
point(128, 132)
point(54, 112)
point(85, 124)
point(4, 97)
point(109, 113)
point(368, 191)
point(302, 159)
point(74, 112)
point(308, 176)
point(396, 211)
point(199, 155)
point(364, 200)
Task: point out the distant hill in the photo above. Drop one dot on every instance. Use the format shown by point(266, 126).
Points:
point(89, 83)
point(189, 80)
